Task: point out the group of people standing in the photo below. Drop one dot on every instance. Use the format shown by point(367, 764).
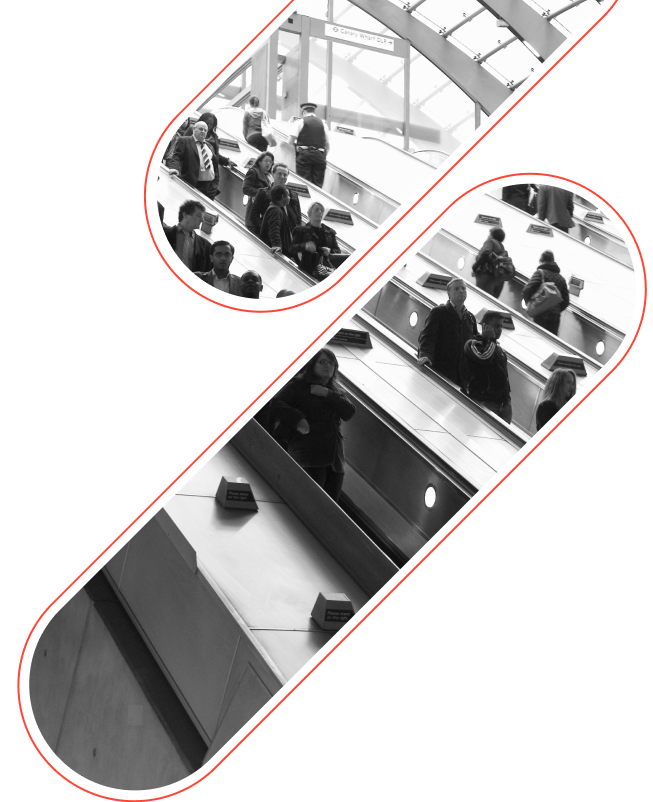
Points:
point(273, 213)
point(493, 267)
point(553, 204)
point(273, 210)
point(451, 344)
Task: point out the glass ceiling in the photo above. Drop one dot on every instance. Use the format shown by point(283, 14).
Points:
point(478, 35)
point(434, 99)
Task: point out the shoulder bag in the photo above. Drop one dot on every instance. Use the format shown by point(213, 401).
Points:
point(546, 297)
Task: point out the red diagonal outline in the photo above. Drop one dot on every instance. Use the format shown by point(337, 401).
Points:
point(153, 799)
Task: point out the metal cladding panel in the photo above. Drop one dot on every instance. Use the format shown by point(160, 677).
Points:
point(393, 307)
point(525, 394)
point(371, 206)
point(395, 471)
point(53, 666)
point(187, 625)
point(110, 732)
point(586, 335)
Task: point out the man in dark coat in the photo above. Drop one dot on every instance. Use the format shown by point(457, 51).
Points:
point(484, 368)
point(447, 329)
point(192, 249)
point(518, 195)
point(557, 206)
point(548, 271)
point(275, 228)
point(262, 201)
point(195, 161)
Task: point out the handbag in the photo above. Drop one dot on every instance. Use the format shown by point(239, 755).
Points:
point(546, 297)
point(268, 133)
point(324, 268)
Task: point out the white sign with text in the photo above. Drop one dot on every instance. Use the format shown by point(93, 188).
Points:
point(359, 37)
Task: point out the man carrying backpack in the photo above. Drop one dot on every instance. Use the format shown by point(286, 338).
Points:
point(547, 294)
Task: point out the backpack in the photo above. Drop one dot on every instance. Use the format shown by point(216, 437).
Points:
point(546, 297)
point(503, 268)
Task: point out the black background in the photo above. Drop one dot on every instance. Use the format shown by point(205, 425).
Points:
point(141, 375)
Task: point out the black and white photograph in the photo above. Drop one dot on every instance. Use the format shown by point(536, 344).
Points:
point(325, 447)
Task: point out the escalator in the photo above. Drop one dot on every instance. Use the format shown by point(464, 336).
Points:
point(407, 417)
point(364, 173)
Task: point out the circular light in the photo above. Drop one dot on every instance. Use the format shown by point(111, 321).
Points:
point(430, 496)
point(414, 317)
point(355, 198)
point(587, 240)
point(600, 348)
point(245, 199)
point(461, 263)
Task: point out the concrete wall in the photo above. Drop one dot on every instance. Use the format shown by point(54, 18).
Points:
point(90, 708)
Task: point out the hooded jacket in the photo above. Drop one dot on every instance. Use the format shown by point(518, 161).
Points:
point(484, 370)
point(551, 272)
point(253, 120)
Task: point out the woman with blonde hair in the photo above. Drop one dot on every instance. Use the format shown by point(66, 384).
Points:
point(559, 388)
point(314, 245)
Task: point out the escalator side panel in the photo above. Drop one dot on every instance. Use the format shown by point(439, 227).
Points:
point(397, 473)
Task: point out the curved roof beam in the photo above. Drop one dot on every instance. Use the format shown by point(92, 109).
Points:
point(482, 87)
point(527, 25)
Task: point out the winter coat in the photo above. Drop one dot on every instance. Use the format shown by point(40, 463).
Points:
point(544, 412)
point(551, 272)
point(323, 237)
point(263, 200)
point(484, 370)
point(443, 338)
point(517, 195)
point(323, 445)
point(255, 179)
point(555, 205)
point(486, 257)
point(275, 229)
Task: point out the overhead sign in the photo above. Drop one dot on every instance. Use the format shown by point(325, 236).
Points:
point(360, 38)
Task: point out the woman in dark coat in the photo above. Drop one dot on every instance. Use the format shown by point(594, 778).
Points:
point(314, 243)
point(548, 271)
point(259, 176)
point(493, 265)
point(559, 388)
point(309, 409)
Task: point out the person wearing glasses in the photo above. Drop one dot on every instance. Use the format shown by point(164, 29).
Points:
point(306, 418)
